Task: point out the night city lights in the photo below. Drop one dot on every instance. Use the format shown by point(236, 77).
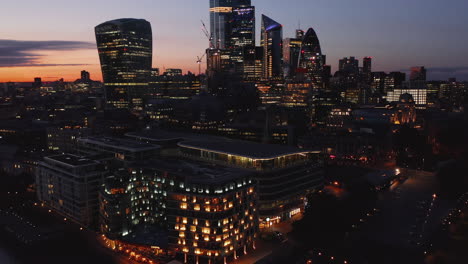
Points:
point(233, 132)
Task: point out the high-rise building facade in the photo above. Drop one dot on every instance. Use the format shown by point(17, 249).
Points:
point(242, 33)
point(291, 50)
point(272, 42)
point(220, 16)
point(125, 50)
point(252, 63)
point(311, 60)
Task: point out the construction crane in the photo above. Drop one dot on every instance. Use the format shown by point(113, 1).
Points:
point(207, 34)
point(199, 61)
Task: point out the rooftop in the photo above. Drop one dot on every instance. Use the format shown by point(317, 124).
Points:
point(156, 135)
point(244, 149)
point(198, 172)
point(118, 143)
point(72, 160)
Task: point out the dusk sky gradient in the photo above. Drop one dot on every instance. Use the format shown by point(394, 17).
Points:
point(398, 34)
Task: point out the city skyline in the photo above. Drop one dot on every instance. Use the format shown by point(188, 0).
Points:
point(39, 45)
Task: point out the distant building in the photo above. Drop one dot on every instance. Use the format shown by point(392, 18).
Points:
point(367, 65)
point(155, 72)
point(272, 42)
point(349, 65)
point(85, 76)
point(70, 186)
point(125, 50)
point(173, 72)
point(311, 59)
point(291, 51)
point(37, 84)
point(418, 74)
point(252, 63)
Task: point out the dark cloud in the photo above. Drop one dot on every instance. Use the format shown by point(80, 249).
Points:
point(19, 53)
point(449, 69)
point(443, 73)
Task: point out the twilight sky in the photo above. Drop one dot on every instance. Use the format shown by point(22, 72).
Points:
point(55, 38)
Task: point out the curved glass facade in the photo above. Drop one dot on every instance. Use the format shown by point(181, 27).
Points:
point(311, 59)
point(125, 49)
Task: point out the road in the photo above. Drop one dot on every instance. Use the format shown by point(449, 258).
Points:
point(408, 213)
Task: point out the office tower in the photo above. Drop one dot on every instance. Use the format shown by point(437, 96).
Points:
point(300, 34)
point(70, 185)
point(242, 26)
point(242, 34)
point(367, 65)
point(37, 84)
point(350, 65)
point(125, 49)
point(85, 76)
point(311, 60)
point(272, 41)
point(252, 63)
point(291, 50)
point(394, 80)
point(204, 213)
point(418, 74)
point(220, 17)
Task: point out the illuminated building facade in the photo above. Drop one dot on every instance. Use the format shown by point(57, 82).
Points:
point(70, 185)
point(272, 43)
point(311, 60)
point(252, 63)
point(285, 174)
point(209, 211)
point(291, 50)
point(297, 94)
point(173, 72)
point(419, 95)
point(418, 74)
point(125, 50)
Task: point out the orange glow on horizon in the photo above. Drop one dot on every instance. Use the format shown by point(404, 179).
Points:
point(84, 60)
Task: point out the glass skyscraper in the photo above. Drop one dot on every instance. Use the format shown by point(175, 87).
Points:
point(125, 50)
point(311, 59)
point(272, 42)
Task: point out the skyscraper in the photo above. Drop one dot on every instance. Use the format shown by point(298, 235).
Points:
point(242, 27)
point(418, 74)
point(311, 59)
point(125, 50)
point(242, 33)
point(220, 17)
point(272, 42)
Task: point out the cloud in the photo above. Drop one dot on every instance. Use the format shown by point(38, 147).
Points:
point(20, 53)
point(463, 69)
point(443, 73)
